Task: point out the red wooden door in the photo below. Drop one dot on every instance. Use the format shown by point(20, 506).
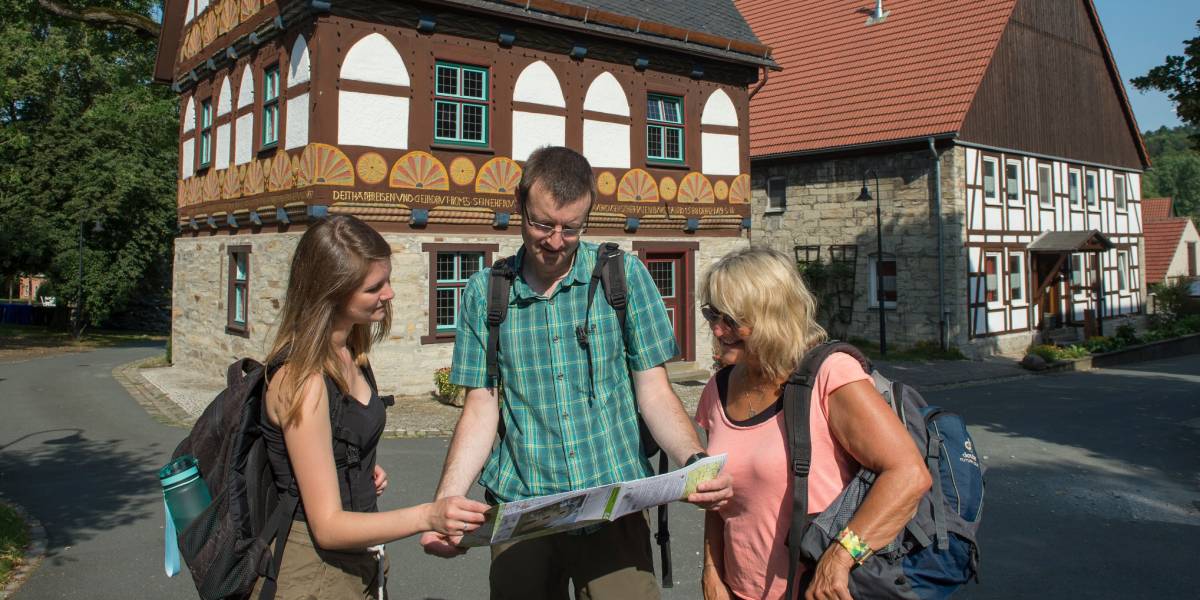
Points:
point(667, 271)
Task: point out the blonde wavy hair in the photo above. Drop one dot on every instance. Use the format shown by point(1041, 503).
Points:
point(761, 289)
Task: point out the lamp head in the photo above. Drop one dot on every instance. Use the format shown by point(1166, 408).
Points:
point(865, 194)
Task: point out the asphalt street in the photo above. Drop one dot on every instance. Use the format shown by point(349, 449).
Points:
point(1093, 485)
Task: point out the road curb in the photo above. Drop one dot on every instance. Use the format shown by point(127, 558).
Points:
point(157, 404)
point(34, 552)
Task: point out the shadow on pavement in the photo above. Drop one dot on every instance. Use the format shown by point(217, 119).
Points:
point(77, 486)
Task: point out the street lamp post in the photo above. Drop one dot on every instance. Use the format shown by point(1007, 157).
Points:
point(77, 327)
point(866, 195)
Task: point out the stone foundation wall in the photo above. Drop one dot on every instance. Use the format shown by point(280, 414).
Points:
point(403, 364)
point(822, 209)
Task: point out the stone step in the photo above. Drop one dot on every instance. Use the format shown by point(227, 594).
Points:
point(686, 371)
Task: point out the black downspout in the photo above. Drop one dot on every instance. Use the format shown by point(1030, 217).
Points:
point(943, 328)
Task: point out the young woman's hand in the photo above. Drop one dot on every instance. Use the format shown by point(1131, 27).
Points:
point(380, 480)
point(712, 585)
point(454, 516)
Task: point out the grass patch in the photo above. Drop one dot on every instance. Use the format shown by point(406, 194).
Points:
point(927, 350)
point(14, 536)
point(18, 337)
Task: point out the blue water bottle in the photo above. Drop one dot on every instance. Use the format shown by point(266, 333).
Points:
point(185, 496)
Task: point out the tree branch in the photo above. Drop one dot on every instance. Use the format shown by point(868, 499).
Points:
point(106, 17)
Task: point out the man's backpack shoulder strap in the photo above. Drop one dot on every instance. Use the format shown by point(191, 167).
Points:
point(499, 285)
point(610, 263)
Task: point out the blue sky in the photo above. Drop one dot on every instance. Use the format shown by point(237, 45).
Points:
point(1141, 34)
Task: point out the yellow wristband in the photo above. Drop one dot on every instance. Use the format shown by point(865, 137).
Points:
point(858, 549)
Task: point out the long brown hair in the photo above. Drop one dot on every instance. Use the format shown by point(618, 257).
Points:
point(330, 263)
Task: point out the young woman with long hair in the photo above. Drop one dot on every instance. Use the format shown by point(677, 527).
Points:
point(338, 304)
point(762, 317)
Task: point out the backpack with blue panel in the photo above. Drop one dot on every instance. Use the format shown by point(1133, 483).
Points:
point(937, 551)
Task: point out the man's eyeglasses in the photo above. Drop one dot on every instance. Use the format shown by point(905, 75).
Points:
point(545, 230)
point(712, 315)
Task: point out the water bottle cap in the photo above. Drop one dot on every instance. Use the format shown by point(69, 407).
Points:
point(179, 469)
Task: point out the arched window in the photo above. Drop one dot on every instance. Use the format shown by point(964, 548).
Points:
point(538, 85)
point(372, 118)
point(606, 135)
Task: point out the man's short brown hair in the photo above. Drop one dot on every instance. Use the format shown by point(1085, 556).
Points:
point(565, 173)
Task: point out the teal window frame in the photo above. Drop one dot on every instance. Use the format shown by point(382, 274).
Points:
point(270, 107)
point(205, 133)
point(659, 122)
point(457, 100)
point(451, 283)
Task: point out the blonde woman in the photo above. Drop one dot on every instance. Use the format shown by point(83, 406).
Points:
point(338, 304)
point(761, 315)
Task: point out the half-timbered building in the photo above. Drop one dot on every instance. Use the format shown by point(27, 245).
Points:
point(416, 116)
point(998, 140)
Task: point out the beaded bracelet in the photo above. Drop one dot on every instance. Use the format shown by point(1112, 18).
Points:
point(858, 549)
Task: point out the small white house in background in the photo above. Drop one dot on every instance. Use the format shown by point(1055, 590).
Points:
point(1172, 244)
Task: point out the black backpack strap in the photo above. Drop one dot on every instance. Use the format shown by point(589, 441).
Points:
point(612, 276)
point(278, 526)
point(499, 286)
point(387, 400)
point(933, 457)
point(663, 537)
point(797, 400)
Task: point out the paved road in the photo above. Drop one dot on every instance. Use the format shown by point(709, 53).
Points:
point(1094, 486)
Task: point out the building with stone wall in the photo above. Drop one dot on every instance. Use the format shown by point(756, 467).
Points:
point(416, 116)
point(991, 136)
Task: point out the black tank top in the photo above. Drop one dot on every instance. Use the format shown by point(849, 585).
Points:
point(356, 432)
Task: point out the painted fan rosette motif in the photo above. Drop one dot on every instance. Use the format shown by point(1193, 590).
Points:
point(249, 8)
point(419, 170)
point(231, 183)
point(501, 175)
point(739, 191)
point(322, 164)
point(212, 187)
point(228, 11)
point(254, 178)
point(637, 186)
point(696, 188)
point(280, 176)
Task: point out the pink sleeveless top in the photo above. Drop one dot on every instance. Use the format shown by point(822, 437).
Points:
point(759, 514)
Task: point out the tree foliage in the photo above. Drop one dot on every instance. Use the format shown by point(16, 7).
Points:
point(85, 138)
point(1175, 170)
point(1179, 78)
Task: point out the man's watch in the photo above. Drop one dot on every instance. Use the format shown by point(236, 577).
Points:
point(695, 457)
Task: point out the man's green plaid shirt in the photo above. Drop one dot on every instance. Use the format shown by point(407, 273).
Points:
point(557, 438)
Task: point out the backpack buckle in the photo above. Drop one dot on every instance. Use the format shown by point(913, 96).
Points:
point(800, 467)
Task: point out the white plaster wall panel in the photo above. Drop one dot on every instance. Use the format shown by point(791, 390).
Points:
point(719, 154)
point(972, 158)
point(1016, 220)
point(375, 59)
point(605, 95)
point(191, 12)
point(372, 120)
point(1076, 221)
point(534, 130)
point(1010, 238)
point(187, 158)
point(189, 116)
point(981, 323)
point(299, 67)
point(1020, 318)
point(606, 144)
point(224, 98)
point(976, 209)
point(201, 5)
point(538, 84)
point(296, 129)
point(221, 148)
point(995, 321)
point(246, 89)
point(719, 110)
point(973, 255)
point(993, 216)
point(243, 138)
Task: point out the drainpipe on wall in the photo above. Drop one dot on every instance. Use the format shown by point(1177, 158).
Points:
point(943, 318)
point(760, 85)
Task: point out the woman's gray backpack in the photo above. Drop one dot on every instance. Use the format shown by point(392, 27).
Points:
point(937, 550)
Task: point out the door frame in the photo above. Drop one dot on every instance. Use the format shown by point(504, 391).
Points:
point(688, 251)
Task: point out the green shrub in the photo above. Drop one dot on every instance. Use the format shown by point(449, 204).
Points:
point(1127, 334)
point(1055, 353)
point(1099, 343)
point(441, 380)
point(1047, 352)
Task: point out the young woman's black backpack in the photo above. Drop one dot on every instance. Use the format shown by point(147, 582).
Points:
point(229, 545)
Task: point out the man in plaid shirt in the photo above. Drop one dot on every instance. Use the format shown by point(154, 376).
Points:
point(561, 431)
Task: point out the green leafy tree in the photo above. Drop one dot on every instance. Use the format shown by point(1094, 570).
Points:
point(1179, 78)
point(86, 139)
point(1176, 175)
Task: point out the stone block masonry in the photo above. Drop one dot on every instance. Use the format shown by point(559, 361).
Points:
point(403, 363)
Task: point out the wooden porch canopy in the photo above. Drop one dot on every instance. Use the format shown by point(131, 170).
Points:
point(1049, 251)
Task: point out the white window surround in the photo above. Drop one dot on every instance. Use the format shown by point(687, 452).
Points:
point(991, 193)
point(1119, 197)
point(1016, 279)
point(1017, 199)
point(1079, 276)
point(1045, 186)
point(872, 293)
point(1074, 188)
point(1123, 271)
point(991, 281)
point(1091, 190)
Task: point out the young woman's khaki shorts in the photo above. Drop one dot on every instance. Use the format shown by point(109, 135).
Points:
point(310, 573)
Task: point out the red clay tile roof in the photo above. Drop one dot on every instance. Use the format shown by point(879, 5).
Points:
point(844, 83)
point(1155, 209)
point(1162, 240)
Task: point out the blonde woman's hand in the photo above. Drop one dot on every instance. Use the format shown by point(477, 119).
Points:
point(831, 578)
point(381, 481)
point(454, 516)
